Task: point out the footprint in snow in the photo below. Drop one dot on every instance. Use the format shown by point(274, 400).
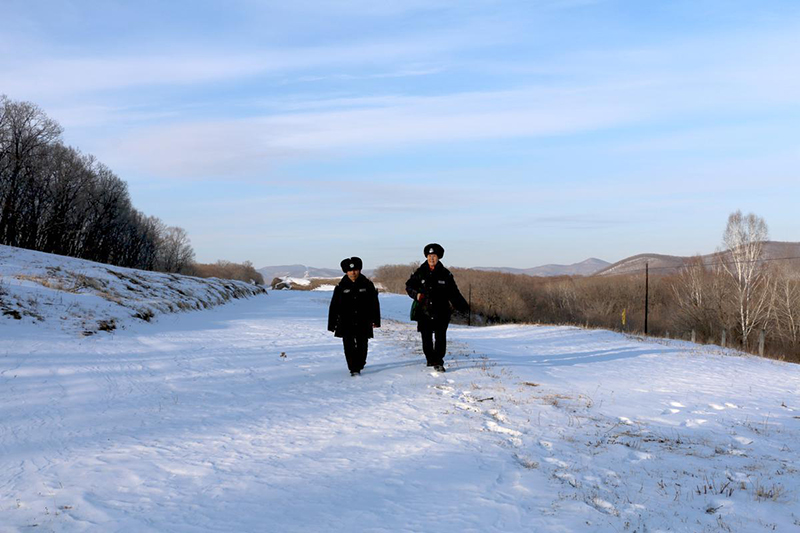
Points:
point(611, 478)
point(716, 407)
point(694, 422)
point(497, 428)
point(497, 415)
point(637, 457)
point(526, 461)
point(676, 404)
point(513, 435)
point(567, 478)
point(467, 407)
point(603, 506)
point(558, 462)
point(740, 477)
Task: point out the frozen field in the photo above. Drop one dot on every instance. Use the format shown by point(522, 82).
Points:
point(244, 418)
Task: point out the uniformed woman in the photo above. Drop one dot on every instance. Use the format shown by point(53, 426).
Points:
point(353, 312)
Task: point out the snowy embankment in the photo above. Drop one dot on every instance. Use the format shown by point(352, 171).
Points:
point(86, 297)
point(244, 418)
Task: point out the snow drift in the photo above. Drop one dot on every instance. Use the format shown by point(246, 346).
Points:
point(86, 297)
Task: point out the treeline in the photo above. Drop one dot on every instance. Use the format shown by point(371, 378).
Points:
point(56, 199)
point(498, 298)
point(226, 270)
point(697, 301)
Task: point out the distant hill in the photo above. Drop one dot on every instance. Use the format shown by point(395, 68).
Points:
point(656, 262)
point(297, 271)
point(302, 271)
point(584, 268)
point(774, 251)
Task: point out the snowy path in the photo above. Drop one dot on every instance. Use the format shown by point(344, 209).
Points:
point(198, 423)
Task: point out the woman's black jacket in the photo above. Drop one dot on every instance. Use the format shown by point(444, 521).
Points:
point(354, 308)
point(440, 292)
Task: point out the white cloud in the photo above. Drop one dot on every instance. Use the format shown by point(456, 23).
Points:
point(38, 76)
point(64, 77)
point(213, 148)
point(689, 80)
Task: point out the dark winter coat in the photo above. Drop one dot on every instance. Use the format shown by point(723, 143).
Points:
point(354, 308)
point(440, 292)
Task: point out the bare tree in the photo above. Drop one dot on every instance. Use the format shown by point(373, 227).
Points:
point(744, 239)
point(25, 132)
point(65, 177)
point(175, 250)
point(691, 295)
point(55, 199)
point(787, 307)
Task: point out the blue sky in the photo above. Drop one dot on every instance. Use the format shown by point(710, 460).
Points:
point(514, 133)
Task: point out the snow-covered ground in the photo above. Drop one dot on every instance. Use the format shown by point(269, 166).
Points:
point(84, 297)
point(244, 418)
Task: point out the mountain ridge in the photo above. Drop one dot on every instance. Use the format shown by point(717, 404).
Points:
point(773, 251)
point(587, 267)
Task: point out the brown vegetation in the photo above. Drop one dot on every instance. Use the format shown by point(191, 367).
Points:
point(697, 299)
point(226, 270)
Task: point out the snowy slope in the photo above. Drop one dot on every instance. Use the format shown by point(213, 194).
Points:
point(57, 292)
point(244, 418)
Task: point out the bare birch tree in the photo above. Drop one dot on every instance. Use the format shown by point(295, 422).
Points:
point(787, 306)
point(744, 239)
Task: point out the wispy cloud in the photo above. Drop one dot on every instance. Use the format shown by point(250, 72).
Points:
point(81, 75)
point(584, 92)
point(405, 73)
point(196, 149)
point(576, 222)
point(39, 77)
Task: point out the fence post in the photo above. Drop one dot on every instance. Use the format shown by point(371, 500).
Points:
point(469, 313)
point(646, 294)
point(694, 336)
point(724, 336)
point(761, 342)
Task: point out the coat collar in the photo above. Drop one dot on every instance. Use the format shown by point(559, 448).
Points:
point(436, 270)
point(359, 281)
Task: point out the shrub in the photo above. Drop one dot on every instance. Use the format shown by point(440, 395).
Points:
point(228, 270)
point(599, 301)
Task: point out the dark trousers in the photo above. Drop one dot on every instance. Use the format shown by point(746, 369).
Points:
point(434, 349)
point(355, 351)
